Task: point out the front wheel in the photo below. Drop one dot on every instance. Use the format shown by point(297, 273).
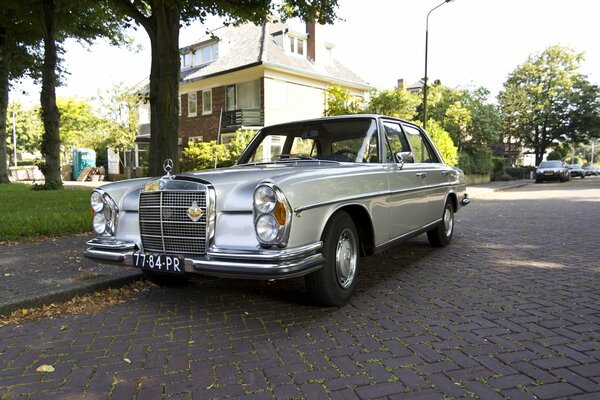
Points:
point(441, 235)
point(333, 284)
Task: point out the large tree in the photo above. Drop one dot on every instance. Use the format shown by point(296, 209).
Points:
point(161, 19)
point(32, 25)
point(547, 100)
point(19, 50)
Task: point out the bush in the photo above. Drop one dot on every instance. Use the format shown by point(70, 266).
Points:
point(202, 155)
point(475, 160)
point(443, 142)
point(499, 169)
point(519, 172)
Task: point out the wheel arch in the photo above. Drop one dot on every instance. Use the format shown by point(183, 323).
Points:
point(453, 199)
point(364, 226)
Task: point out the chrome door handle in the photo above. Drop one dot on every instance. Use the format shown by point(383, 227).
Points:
point(421, 174)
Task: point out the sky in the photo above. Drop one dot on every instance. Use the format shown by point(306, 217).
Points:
point(471, 43)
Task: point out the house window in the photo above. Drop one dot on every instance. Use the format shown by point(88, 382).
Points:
point(192, 105)
point(206, 101)
point(206, 54)
point(243, 95)
point(186, 60)
point(297, 45)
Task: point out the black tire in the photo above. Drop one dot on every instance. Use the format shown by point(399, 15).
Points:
point(582, 176)
point(441, 235)
point(538, 181)
point(333, 284)
point(165, 279)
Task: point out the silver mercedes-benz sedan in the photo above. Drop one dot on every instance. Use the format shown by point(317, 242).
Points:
point(305, 198)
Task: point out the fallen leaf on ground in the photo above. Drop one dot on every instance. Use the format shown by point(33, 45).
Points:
point(45, 368)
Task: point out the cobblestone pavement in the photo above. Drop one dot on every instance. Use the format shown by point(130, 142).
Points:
point(511, 309)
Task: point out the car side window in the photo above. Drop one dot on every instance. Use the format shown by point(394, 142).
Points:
point(397, 142)
point(422, 151)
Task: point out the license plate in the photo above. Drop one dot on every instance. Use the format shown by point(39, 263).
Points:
point(159, 263)
point(549, 173)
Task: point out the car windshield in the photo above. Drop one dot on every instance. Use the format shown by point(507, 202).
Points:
point(550, 164)
point(341, 140)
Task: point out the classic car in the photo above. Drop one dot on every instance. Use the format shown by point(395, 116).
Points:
point(552, 170)
point(307, 198)
point(576, 170)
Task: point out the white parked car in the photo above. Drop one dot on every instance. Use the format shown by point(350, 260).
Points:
point(305, 198)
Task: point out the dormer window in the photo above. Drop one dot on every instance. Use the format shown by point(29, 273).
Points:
point(206, 54)
point(297, 45)
point(200, 56)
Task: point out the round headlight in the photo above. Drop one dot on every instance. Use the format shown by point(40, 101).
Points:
point(264, 199)
point(267, 228)
point(99, 223)
point(97, 201)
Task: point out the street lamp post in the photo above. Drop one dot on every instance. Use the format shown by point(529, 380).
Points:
point(426, 48)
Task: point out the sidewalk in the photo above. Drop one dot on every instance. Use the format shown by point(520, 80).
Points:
point(54, 270)
point(479, 191)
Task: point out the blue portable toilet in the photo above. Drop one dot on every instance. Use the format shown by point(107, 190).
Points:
point(82, 158)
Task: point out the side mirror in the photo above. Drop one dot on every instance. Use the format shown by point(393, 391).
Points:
point(404, 157)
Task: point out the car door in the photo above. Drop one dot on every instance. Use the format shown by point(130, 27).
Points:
point(434, 173)
point(405, 181)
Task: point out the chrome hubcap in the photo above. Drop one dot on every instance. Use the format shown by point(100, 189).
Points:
point(448, 221)
point(346, 256)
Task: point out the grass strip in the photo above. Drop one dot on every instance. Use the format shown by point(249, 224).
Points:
point(27, 214)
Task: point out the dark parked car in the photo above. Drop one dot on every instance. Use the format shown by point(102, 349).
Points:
point(576, 170)
point(590, 170)
point(554, 170)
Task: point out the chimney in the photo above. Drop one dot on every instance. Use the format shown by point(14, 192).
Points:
point(400, 83)
point(315, 46)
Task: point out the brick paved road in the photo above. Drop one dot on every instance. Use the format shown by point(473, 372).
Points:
point(510, 310)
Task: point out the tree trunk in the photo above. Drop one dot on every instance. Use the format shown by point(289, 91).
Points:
point(50, 116)
point(3, 108)
point(164, 86)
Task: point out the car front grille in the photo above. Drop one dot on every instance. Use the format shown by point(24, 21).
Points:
point(165, 226)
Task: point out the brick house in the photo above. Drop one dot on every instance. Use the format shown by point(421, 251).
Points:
point(255, 76)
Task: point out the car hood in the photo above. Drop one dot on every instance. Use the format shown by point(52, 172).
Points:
point(235, 185)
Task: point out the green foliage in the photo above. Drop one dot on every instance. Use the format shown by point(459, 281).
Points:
point(547, 100)
point(554, 155)
point(519, 172)
point(398, 103)
point(443, 142)
point(499, 169)
point(341, 102)
point(79, 125)
point(239, 143)
point(475, 160)
point(466, 114)
point(42, 213)
point(202, 155)
point(28, 128)
point(121, 122)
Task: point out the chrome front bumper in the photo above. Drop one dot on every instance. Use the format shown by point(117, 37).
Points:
point(255, 264)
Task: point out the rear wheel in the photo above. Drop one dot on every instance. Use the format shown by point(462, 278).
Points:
point(441, 235)
point(333, 284)
point(164, 279)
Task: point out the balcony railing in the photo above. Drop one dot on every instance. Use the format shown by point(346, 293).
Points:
point(244, 117)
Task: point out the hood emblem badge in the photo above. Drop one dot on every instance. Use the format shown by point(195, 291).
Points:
point(194, 212)
point(168, 167)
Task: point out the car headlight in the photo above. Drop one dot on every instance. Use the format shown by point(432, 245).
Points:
point(105, 213)
point(265, 199)
point(99, 222)
point(267, 228)
point(272, 216)
point(97, 202)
